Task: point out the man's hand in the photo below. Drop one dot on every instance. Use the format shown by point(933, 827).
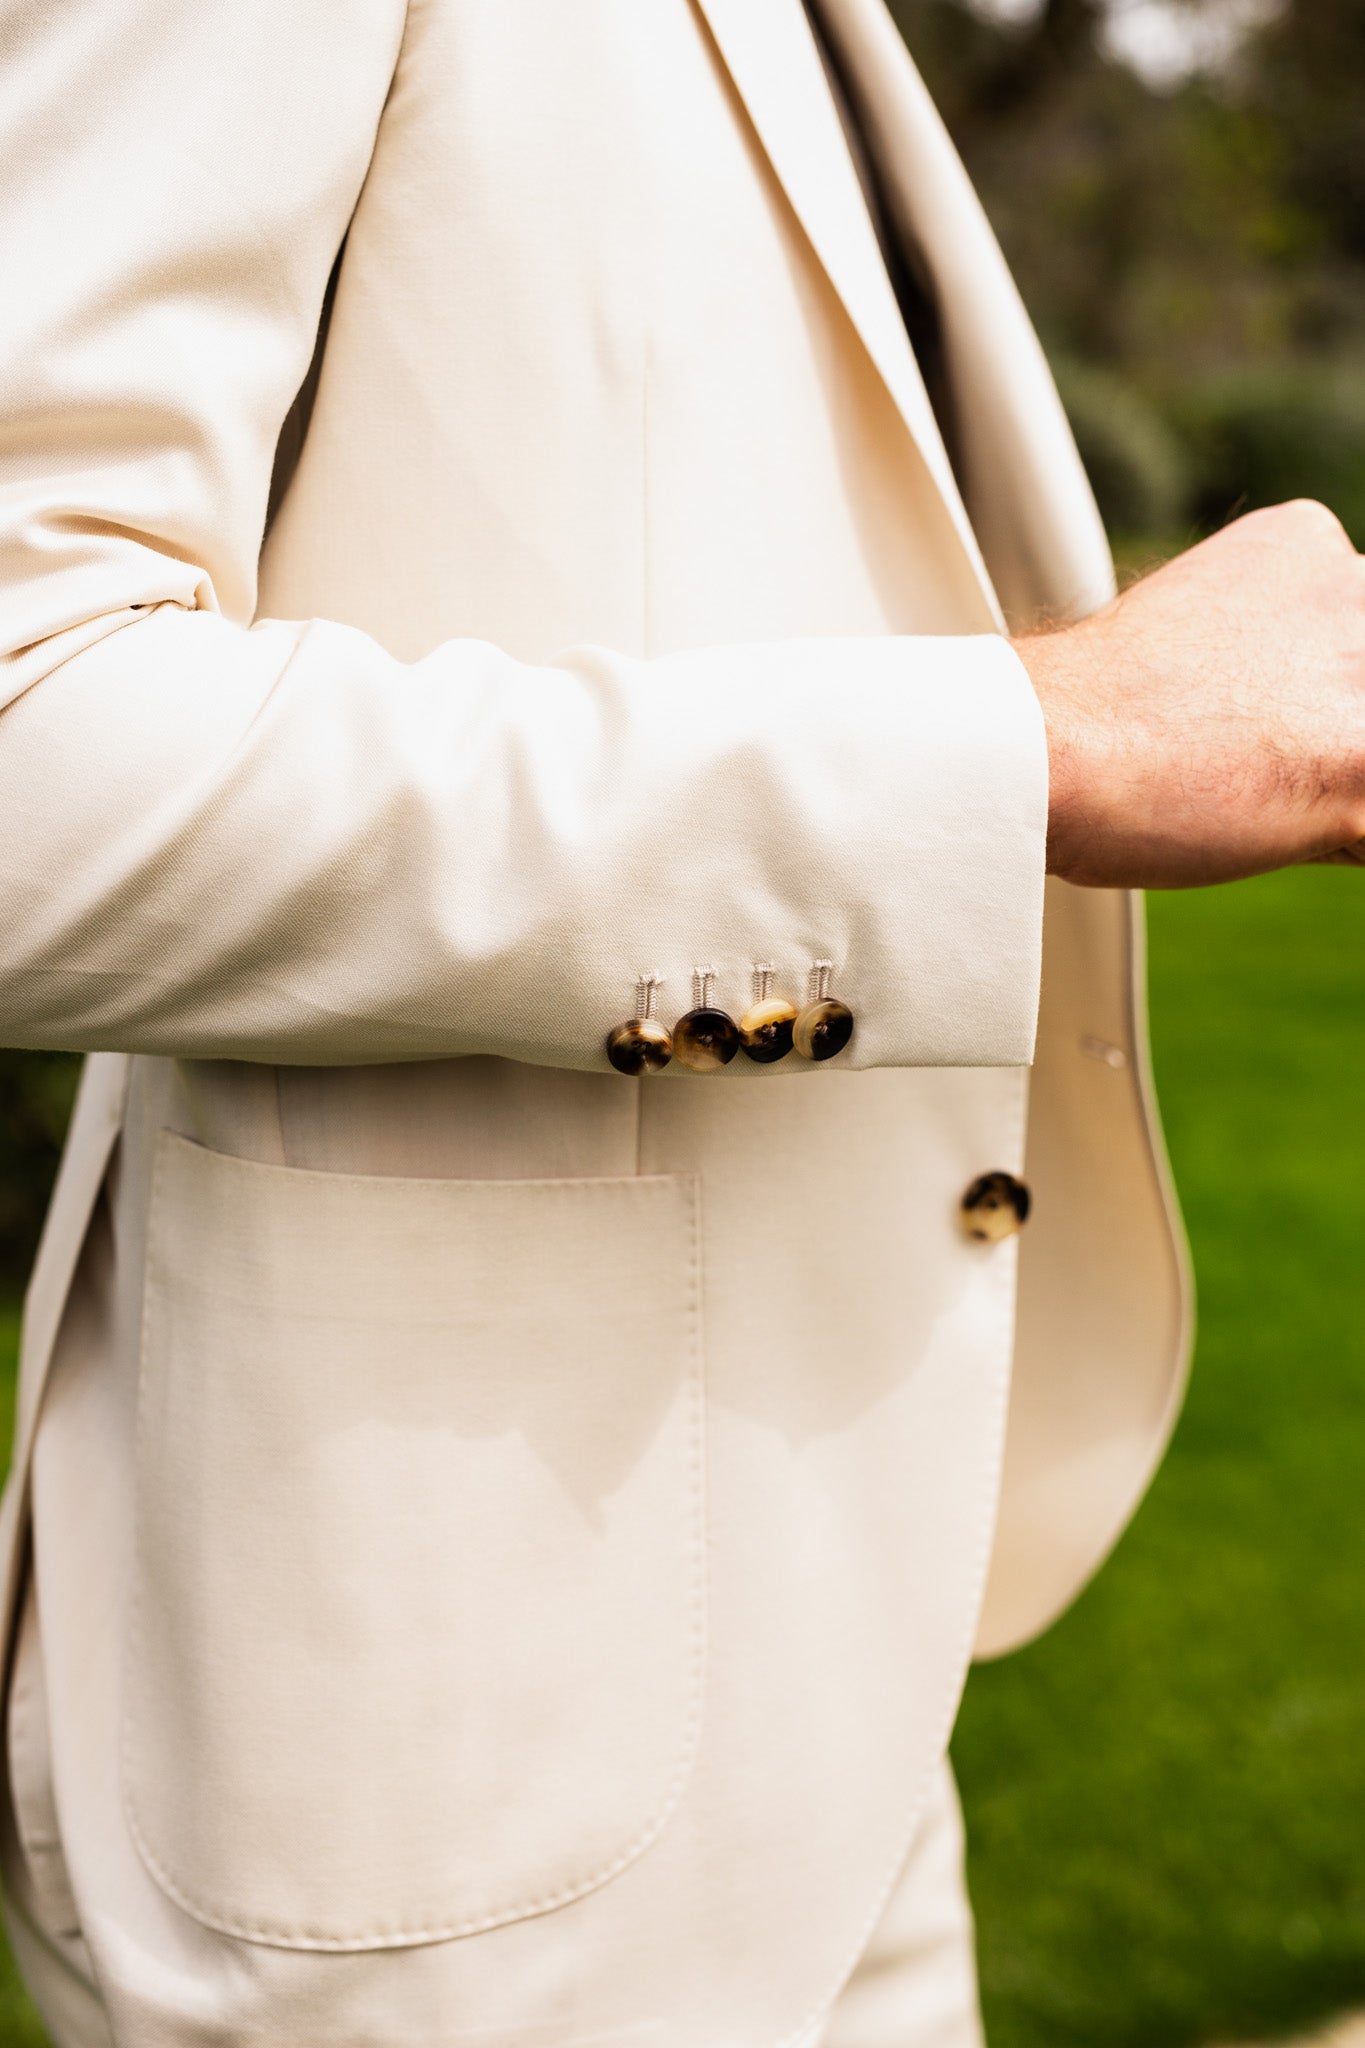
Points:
point(1210, 723)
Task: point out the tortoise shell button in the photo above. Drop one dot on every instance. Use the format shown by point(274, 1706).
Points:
point(995, 1207)
point(641, 1046)
point(765, 1031)
point(705, 1040)
point(822, 1029)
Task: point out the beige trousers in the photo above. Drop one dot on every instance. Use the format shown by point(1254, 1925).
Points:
point(915, 1984)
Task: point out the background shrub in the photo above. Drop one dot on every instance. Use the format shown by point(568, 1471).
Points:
point(1136, 462)
point(1258, 437)
point(36, 1089)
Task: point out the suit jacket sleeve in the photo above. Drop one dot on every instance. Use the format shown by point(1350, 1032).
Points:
point(274, 841)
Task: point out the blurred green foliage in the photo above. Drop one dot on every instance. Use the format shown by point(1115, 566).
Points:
point(1195, 257)
point(1140, 467)
point(1265, 436)
point(36, 1090)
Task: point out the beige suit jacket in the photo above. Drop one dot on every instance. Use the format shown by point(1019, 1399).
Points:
point(508, 1539)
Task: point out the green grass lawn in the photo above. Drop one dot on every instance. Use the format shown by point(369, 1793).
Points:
point(1166, 1796)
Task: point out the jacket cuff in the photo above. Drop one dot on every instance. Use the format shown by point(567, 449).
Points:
point(912, 858)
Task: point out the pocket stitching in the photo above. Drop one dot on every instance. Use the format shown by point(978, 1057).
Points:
point(227, 1923)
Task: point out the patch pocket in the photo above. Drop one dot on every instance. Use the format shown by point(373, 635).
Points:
point(416, 1643)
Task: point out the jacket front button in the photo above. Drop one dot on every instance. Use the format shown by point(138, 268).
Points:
point(995, 1207)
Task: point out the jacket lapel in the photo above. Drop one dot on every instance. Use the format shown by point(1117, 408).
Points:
point(1030, 502)
point(770, 54)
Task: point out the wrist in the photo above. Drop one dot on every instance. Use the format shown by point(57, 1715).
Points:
point(1047, 661)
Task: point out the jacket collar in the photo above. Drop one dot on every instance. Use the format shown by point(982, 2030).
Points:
point(769, 51)
point(1031, 504)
